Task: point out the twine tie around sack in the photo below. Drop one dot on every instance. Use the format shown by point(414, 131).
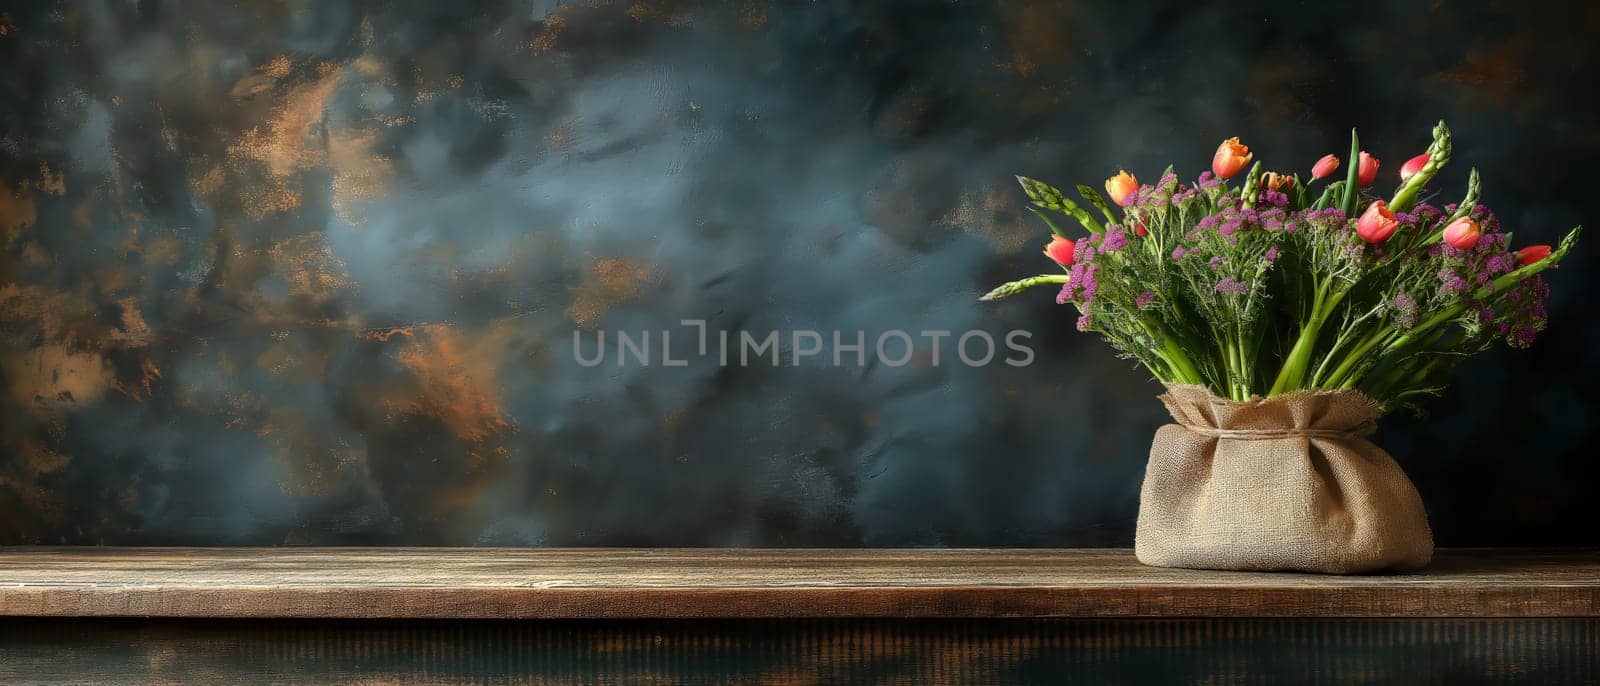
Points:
point(1290, 432)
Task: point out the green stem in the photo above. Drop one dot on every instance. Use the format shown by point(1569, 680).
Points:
point(1183, 369)
point(1355, 357)
point(1011, 288)
point(1438, 155)
point(1292, 375)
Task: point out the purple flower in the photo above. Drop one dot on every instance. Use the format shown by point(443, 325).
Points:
point(1085, 323)
point(1144, 299)
point(1405, 308)
point(1081, 283)
point(1216, 262)
point(1065, 295)
point(1114, 239)
point(1272, 253)
point(1228, 285)
point(1524, 336)
point(1207, 181)
point(1082, 252)
point(1451, 282)
point(1178, 253)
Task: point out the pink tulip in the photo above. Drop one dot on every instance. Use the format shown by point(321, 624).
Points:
point(1324, 166)
point(1377, 224)
point(1231, 158)
point(1411, 167)
point(1060, 249)
point(1366, 170)
point(1121, 188)
point(1462, 233)
point(1532, 254)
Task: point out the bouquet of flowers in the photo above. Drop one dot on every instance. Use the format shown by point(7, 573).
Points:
point(1284, 319)
point(1276, 285)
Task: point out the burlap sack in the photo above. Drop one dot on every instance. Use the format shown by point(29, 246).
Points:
point(1286, 483)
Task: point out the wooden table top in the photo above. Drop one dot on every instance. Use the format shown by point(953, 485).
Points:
point(764, 583)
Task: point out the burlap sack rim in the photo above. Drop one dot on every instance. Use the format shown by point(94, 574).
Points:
point(1374, 406)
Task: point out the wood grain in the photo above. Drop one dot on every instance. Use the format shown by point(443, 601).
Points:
point(916, 652)
point(485, 583)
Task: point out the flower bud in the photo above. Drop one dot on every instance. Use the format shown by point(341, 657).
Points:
point(1532, 254)
point(1377, 224)
point(1324, 166)
point(1060, 250)
point(1121, 188)
point(1231, 158)
point(1412, 166)
point(1462, 233)
point(1366, 170)
point(1274, 181)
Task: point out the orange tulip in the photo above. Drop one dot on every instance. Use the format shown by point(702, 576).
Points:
point(1366, 170)
point(1121, 188)
point(1412, 166)
point(1324, 166)
point(1231, 158)
point(1060, 249)
point(1377, 224)
point(1532, 254)
point(1462, 233)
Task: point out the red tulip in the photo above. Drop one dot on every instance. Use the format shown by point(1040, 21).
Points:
point(1366, 170)
point(1140, 230)
point(1121, 188)
point(1231, 158)
point(1324, 166)
point(1411, 167)
point(1377, 224)
point(1462, 233)
point(1532, 254)
point(1060, 249)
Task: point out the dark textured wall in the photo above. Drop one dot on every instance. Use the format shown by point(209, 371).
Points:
point(308, 272)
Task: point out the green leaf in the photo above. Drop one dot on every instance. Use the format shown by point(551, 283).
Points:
point(1352, 186)
point(1331, 193)
point(1046, 219)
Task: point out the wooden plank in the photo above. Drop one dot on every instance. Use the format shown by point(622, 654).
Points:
point(826, 651)
point(676, 583)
